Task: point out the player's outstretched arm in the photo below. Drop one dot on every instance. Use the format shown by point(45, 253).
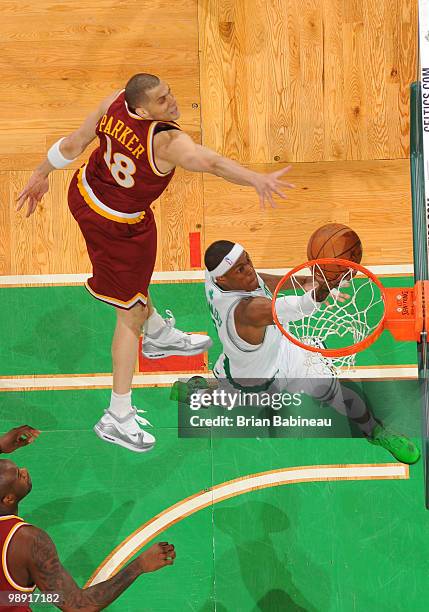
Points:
point(306, 283)
point(46, 570)
point(272, 280)
point(256, 312)
point(178, 149)
point(69, 148)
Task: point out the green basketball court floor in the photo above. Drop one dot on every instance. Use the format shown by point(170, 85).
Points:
point(327, 545)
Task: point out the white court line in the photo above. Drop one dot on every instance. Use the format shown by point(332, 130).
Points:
point(30, 383)
point(180, 275)
point(70, 279)
point(381, 372)
point(101, 381)
point(139, 538)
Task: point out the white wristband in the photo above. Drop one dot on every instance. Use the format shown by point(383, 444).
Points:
point(56, 158)
point(294, 307)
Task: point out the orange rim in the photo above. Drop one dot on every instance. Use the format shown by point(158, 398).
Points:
point(347, 350)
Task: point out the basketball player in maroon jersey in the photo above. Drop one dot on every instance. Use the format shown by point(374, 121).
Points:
point(110, 197)
point(30, 558)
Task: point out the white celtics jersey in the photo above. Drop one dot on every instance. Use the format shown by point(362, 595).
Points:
point(248, 364)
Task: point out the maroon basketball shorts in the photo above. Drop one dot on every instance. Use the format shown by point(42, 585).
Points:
point(122, 254)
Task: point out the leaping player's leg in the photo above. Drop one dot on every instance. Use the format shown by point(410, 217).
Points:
point(123, 257)
point(120, 423)
point(125, 345)
point(349, 403)
point(162, 339)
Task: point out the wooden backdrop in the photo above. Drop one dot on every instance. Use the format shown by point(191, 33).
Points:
point(323, 84)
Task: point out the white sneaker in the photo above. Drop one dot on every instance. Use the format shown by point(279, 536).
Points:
point(125, 431)
point(172, 341)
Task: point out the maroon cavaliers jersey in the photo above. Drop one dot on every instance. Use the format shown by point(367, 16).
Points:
point(8, 526)
point(121, 173)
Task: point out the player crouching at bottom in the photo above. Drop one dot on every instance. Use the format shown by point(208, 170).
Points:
point(30, 558)
point(254, 349)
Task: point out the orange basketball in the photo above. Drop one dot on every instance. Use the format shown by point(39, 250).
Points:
point(334, 240)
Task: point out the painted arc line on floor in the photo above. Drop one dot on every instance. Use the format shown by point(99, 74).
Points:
point(104, 381)
point(232, 488)
point(179, 275)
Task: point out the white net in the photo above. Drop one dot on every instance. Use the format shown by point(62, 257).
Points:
point(351, 311)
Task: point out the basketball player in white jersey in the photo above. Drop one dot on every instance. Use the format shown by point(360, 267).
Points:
point(256, 354)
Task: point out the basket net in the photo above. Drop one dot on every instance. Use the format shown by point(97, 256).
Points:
point(352, 311)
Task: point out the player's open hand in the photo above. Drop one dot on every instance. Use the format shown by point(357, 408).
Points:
point(331, 294)
point(17, 437)
point(33, 192)
point(337, 293)
point(268, 185)
point(158, 555)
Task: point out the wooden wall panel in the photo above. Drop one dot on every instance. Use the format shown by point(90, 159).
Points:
point(304, 80)
point(280, 80)
point(334, 91)
point(181, 212)
point(5, 226)
point(310, 105)
point(59, 60)
point(49, 241)
point(373, 197)
point(375, 66)
point(406, 67)
point(355, 132)
point(69, 245)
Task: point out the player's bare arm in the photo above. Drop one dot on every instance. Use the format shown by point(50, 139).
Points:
point(46, 571)
point(178, 149)
point(272, 280)
point(306, 283)
point(252, 315)
point(254, 312)
point(70, 147)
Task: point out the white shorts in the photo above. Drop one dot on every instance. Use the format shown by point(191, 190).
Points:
point(298, 371)
point(296, 362)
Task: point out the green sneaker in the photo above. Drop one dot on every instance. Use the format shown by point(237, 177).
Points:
point(401, 447)
point(180, 391)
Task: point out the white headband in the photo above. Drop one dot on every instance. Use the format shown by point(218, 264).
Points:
point(228, 261)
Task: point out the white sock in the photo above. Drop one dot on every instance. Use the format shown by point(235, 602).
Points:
point(120, 405)
point(153, 324)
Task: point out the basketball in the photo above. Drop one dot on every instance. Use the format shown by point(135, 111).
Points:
point(334, 240)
